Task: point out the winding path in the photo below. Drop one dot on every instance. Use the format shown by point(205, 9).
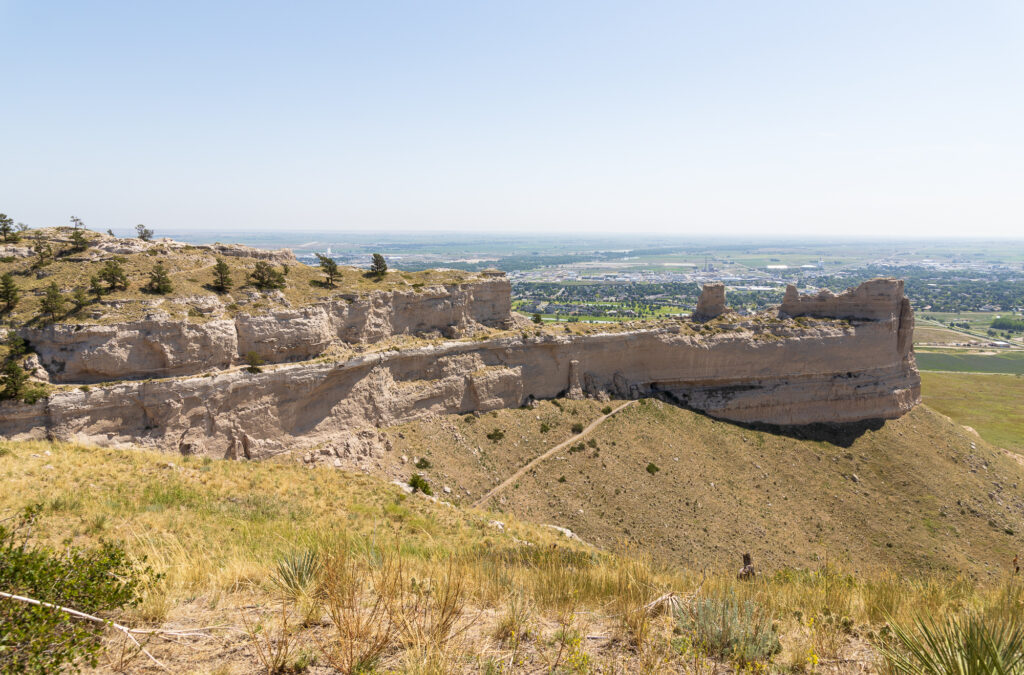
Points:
point(537, 460)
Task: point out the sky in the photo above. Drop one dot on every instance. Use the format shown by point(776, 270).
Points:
point(817, 118)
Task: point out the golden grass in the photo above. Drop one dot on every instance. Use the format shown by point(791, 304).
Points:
point(457, 594)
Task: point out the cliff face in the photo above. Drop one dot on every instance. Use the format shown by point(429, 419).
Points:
point(774, 372)
point(164, 348)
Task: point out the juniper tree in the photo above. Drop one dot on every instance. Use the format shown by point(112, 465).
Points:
point(329, 267)
point(9, 292)
point(265, 277)
point(378, 266)
point(14, 380)
point(114, 275)
point(80, 298)
point(159, 280)
point(44, 253)
point(222, 276)
point(96, 287)
point(79, 242)
point(53, 301)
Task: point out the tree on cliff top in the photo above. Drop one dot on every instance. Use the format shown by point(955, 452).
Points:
point(159, 280)
point(378, 267)
point(265, 277)
point(143, 232)
point(7, 228)
point(329, 267)
point(222, 276)
point(114, 275)
point(79, 242)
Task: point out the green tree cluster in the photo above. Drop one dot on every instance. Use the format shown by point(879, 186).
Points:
point(159, 280)
point(265, 277)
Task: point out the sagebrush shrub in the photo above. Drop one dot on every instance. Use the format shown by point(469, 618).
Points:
point(731, 629)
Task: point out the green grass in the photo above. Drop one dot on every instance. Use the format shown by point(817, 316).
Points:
point(1007, 362)
point(988, 403)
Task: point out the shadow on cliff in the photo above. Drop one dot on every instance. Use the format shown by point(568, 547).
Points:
point(842, 434)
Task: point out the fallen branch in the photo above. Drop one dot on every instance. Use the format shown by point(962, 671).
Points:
point(89, 617)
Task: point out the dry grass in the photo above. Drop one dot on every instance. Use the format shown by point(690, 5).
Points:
point(415, 586)
point(191, 271)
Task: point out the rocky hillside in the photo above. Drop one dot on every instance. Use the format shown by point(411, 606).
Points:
point(133, 332)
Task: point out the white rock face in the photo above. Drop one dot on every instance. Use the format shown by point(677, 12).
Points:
point(781, 373)
point(155, 347)
point(711, 302)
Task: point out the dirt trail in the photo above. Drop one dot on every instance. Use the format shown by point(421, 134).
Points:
point(537, 460)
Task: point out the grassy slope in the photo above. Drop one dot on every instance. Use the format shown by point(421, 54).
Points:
point(217, 529)
point(989, 403)
point(723, 489)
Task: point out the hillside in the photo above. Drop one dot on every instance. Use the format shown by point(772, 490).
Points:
point(230, 535)
point(190, 269)
point(920, 493)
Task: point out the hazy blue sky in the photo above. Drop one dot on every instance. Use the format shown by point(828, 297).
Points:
point(889, 117)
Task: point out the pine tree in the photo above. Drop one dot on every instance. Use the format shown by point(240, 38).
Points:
point(78, 241)
point(80, 298)
point(379, 266)
point(9, 292)
point(96, 287)
point(114, 275)
point(53, 301)
point(7, 228)
point(144, 233)
point(222, 277)
point(14, 379)
point(265, 277)
point(329, 267)
point(44, 251)
point(159, 280)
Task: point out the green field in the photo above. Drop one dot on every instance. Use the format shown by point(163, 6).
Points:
point(963, 362)
point(993, 405)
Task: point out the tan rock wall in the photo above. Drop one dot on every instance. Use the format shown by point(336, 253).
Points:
point(163, 348)
point(834, 372)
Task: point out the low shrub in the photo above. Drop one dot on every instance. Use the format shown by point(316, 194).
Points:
point(44, 639)
point(653, 468)
point(423, 463)
point(419, 484)
point(731, 629)
point(577, 428)
point(496, 435)
point(607, 410)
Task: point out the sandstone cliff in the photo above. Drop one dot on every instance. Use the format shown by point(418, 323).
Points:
point(161, 347)
point(784, 372)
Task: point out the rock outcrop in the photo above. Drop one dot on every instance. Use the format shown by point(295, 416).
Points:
point(711, 302)
point(160, 347)
point(780, 371)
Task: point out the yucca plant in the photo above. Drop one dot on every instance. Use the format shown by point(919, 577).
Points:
point(298, 574)
point(968, 644)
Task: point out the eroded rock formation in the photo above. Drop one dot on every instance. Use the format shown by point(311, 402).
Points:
point(779, 371)
point(160, 347)
point(711, 302)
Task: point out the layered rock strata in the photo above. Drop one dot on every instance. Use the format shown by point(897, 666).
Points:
point(781, 372)
point(157, 347)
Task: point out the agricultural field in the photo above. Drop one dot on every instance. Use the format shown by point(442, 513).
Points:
point(991, 404)
point(1011, 362)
